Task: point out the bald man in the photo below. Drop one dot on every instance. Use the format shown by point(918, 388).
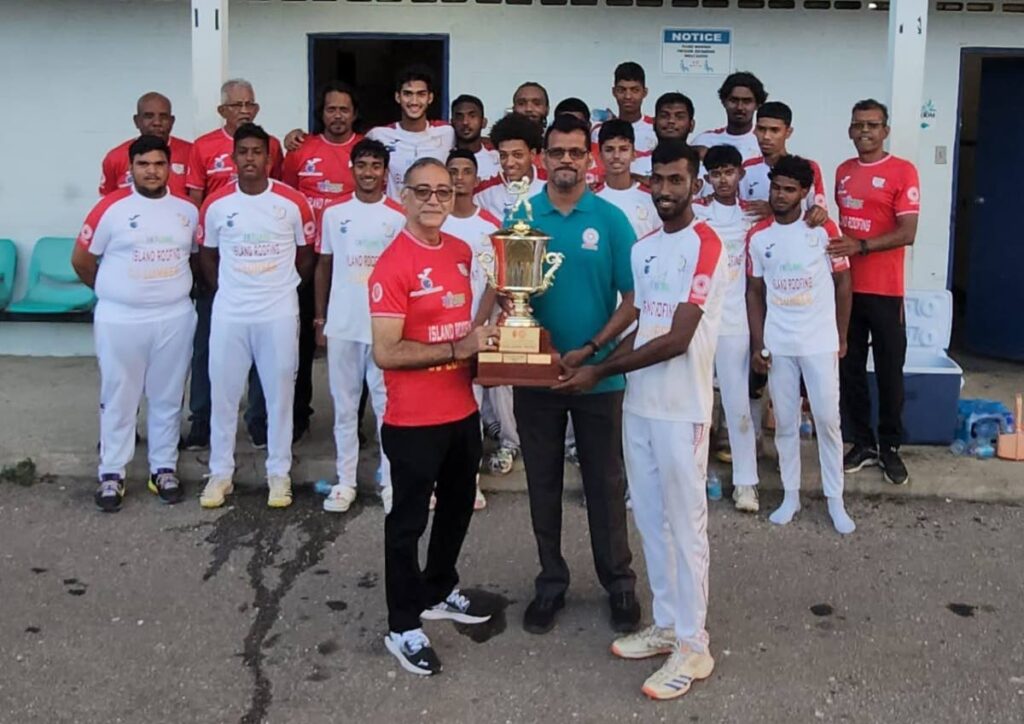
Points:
point(153, 117)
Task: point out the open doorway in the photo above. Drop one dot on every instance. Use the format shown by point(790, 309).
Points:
point(986, 265)
point(370, 62)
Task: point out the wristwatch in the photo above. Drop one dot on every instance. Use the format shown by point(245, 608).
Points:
point(594, 348)
point(864, 247)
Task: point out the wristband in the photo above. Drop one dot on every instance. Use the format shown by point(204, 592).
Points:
point(594, 347)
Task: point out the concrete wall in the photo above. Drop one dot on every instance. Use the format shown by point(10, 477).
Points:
point(72, 71)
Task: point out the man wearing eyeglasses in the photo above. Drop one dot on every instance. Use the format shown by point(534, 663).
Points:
point(879, 197)
point(584, 317)
point(421, 297)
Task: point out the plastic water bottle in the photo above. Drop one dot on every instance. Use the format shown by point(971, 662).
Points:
point(322, 487)
point(986, 431)
point(984, 451)
point(806, 425)
point(714, 486)
point(958, 447)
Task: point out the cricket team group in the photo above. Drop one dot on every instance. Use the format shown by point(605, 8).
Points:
point(688, 263)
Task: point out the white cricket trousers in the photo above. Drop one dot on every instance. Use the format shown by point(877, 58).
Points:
point(666, 465)
point(732, 366)
point(821, 377)
point(348, 365)
point(136, 358)
point(273, 346)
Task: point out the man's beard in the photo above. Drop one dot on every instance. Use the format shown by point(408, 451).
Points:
point(565, 178)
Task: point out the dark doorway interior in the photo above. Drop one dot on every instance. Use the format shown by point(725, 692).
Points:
point(371, 62)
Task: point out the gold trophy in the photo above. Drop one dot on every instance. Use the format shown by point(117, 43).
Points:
point(525, 356)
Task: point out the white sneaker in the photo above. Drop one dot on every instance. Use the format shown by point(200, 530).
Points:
point(744, 497)
point(456, 607)
point(386, 495)
point(339, 500)
point(651, 641)
point(280, 491)
point(674, 679)
point(413, 651)
point(218, 487)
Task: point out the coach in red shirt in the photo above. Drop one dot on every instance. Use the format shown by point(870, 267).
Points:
point(878, 196)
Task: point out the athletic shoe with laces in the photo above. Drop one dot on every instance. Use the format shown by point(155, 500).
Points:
point(457, 607)
point(386, 498)
point(892, 465)
point(858, 458)
point(502, 459)
point(110, 493)
point(744, 498)
point(493, 430)
point(412, 649)
point(165, 484)
point(676, 676)
point(340, 499)
point(218, 487)
point(648, 642)
point(279, 493)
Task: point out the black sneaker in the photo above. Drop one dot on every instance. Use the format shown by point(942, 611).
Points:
point(859, 457)
point(893, 468)
point(166, 484)
point(456, 607)
point(540, 614)
point(198, 437)
point(110, 493)
point(258, 437)
point(625, 612)
point(412, 649)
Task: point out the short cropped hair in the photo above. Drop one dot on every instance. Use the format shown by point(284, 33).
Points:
point(566, 123)
point(372, 149)
point(615, 128)
point(251, 130)
point(466, 98)
point(720, 156)
point(144, 144)
point(673, 98)
point(463, 153)
point(674, 150)
point(870, 104)
point(794, 167)
point(777, 110)
point(630, 71)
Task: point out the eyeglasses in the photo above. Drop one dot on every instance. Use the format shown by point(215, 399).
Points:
point(576, 154)
point(241, 105)
point(423, 193)
point(866, 125)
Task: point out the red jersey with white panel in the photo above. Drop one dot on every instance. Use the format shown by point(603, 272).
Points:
point(321, 170)
point(406, 147)
point(257, 235)
point(145, 245)
point(755, 184)
point(116, 169)
point(428, 287)
point(211, 168)
point(871, 196)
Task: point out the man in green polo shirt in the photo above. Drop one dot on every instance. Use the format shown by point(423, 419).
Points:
point(583, 313)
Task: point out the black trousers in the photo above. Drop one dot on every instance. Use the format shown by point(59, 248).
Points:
point(449, 455)
point(882, 318)
point(541, 417)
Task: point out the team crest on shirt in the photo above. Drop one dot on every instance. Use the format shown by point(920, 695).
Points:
point(878, 182)
point(453, 301)
point(178, 168)
point(133, 221)
point(310, 168)
point(590, 239)
point(230, 222)
point(426, 284)
point(377, 293)
point(219, 164)
point(914, 195)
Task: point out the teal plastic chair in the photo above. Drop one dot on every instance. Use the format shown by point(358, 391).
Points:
point(53, 286)
point(8, 267)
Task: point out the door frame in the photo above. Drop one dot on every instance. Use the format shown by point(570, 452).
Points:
point(312, 38)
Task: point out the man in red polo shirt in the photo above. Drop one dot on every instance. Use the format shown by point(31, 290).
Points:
point(878, 196)
point(421, 298)
point(152, 117)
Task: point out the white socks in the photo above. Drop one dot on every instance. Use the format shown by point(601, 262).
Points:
point(785, 512)
point(843, 523)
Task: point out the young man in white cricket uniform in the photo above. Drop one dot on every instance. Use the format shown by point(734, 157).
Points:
point(798, 302)
point(414, 136)
point(469, 122)
point(741, 95)
point(616, 147)
point(356, 230)
point(679, 286)
point(728, 215)
point(629, 90)
point(144, 320)
point(265, 231)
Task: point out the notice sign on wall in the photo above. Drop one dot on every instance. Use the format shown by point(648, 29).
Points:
point(695, 51)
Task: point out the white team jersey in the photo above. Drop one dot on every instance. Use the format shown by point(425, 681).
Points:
point(487, 164)
point(494, 196)
point(755, 184)
point(408, 146)
point(635, 202)
point(257, 236)
point(668, 270)
point(476, 231)
point(746, 143)
point(800, 293)
point(644, 138)
point(732, 224)
point(356, 234)
point(145, 244)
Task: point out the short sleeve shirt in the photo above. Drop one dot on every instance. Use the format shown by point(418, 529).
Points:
point(405, 147)
point(635, 202)
point(731, 224)
point(211, 167)
point(116, 172)
point(320, 170)
point(755, 185)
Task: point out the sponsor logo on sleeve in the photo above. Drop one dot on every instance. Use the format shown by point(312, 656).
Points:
point(309, 228)
point(377, 293)
point(86, 232)
point(914, 195)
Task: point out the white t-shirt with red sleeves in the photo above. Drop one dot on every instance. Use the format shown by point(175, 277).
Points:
point(799, 289)
point(494, 197)
point(476, 231)
point(644, 138)
point(755, 184)
point(145, 244)
point(321, 170)
point(211, 167)
point(436, 141)
point(635, 202)
point(355, 233)
point(731, 223)
point(257, 235)
point(429, 288)
point(745, 143)
point(669, 269)
point(116, 170)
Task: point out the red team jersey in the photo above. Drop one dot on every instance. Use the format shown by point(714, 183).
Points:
point(211, 167)
point(870, 197)
point(429, 288)
point(116, 169)
point(321, 170)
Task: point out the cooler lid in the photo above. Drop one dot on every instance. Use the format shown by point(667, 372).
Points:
point(929, 315)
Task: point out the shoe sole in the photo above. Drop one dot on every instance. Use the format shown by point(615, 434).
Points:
point(279, 503)
point(885, 476)
point(616, 651)
point(432, 615)
point(747, 508)
point(870, 463)
point(156, 491)
point(108, 510)
point(328, 508)
point(395, 651)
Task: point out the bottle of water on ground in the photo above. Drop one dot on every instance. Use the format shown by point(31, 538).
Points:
point(714, 486)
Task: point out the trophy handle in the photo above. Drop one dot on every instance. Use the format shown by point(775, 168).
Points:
point(486, 259)
point(555, 259)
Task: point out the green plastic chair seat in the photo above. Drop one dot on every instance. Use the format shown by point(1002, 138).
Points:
point(53, 285)
point(8, 268)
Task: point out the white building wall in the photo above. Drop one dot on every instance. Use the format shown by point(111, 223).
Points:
point(72, 71)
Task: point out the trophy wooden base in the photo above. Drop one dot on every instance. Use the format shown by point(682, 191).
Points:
point(525, 358)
